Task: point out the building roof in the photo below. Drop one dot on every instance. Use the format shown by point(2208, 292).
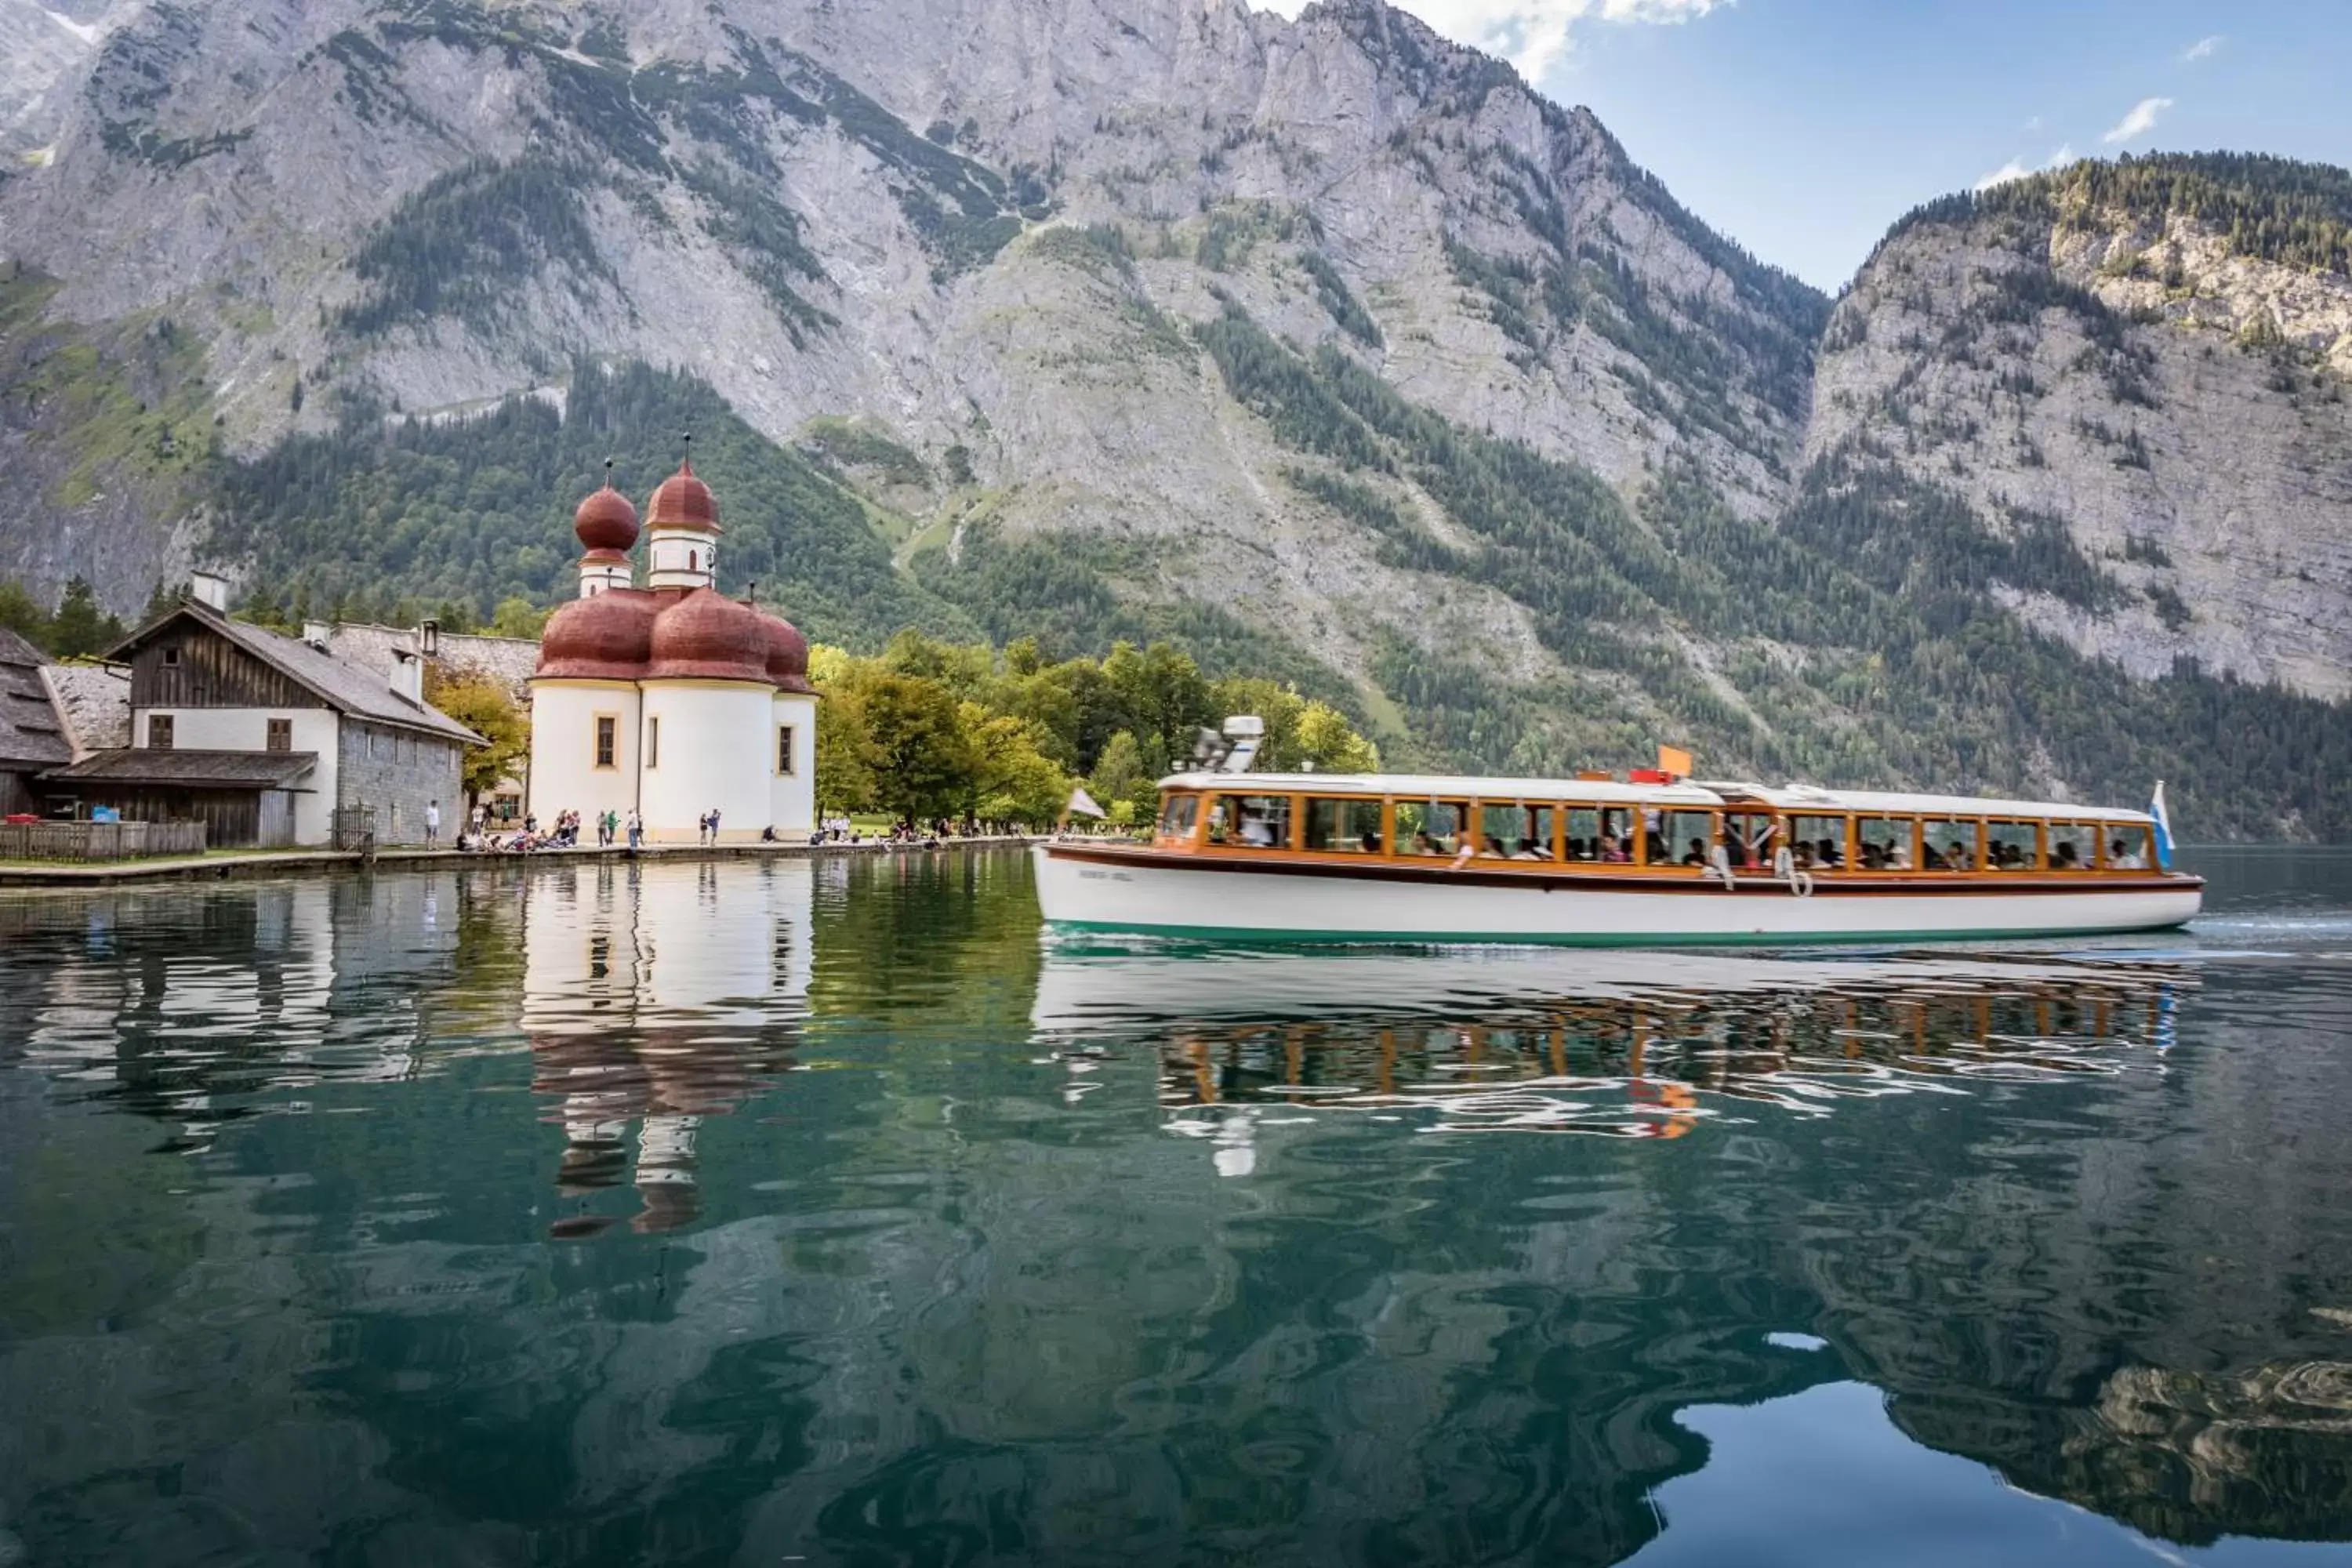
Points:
point(31, 734)
point(347, 688)
point(507, 660)
point(1609, 792)
point(94, 700)
point(202, 770)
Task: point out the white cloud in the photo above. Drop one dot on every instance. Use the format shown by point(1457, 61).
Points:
point(1533, 35)
point(2203, 48)
point(2139, 121)
point(2014, 169)
point(2019, 169)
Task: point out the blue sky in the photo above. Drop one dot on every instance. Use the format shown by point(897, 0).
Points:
point(1803, 127)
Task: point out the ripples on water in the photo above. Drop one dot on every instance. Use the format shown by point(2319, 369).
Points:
point(821, 1211)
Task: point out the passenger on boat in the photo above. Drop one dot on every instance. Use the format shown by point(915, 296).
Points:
point(1956, 857)
point(2066, 859)
point(1696, 854)
point(1257, 834)
point(1372, 842)
point(2121, 856)
point(1826, 853)
point(1422, 843)
point(1576, 850)
point(1616, 853)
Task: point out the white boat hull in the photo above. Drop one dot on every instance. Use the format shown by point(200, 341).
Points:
point(1088, 889)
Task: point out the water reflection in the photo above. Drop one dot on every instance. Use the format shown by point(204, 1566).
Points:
point(656, 1003)
point(1626, 1045)
point(897, 1237)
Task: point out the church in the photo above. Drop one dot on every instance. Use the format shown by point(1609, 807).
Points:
point(671, 699)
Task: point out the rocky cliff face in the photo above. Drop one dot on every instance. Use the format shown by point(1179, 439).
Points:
point(1323, 339)
point(2177, 405)
point(895, 211)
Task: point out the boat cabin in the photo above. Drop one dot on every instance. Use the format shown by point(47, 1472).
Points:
point(1644, 830)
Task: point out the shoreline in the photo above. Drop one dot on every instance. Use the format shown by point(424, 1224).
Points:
point(295, 862)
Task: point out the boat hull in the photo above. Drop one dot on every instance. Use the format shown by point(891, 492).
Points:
point(1089, 888)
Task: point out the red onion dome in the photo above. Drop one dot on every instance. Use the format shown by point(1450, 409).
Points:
point(607, 638)
point(605, 521)
point(787, 654)
point(707, 635)
point(684, 502)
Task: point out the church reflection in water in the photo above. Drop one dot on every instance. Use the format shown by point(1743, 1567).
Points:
point(651, 1004)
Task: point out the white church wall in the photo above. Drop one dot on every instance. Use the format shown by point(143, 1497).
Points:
point(565, 774)
point(792, 785)
point(714, 741)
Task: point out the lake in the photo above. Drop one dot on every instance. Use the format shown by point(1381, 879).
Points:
point(816, 1210)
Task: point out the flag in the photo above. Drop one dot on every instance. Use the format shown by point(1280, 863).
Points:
point(1673, 762)
point(2163, 828)
point(1083, 804)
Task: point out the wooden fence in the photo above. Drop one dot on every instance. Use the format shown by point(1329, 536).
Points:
point(98, 840)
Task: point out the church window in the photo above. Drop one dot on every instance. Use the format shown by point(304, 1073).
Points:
point(606, 728)
point(281, 735)
point(159, 731)
point(784, 749)
point(653, 743)
point(694, 560)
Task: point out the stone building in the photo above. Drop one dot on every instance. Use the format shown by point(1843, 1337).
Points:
point(268, 739)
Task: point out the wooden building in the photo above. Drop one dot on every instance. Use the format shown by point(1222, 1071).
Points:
point(268, 737)
point(32, 738)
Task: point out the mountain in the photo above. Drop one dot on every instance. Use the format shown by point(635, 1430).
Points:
point(1324, 346)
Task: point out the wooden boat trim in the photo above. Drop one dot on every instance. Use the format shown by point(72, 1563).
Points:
point(1477, 873)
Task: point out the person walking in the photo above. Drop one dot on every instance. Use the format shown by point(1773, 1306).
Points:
point(432, 823)
point(714, 826)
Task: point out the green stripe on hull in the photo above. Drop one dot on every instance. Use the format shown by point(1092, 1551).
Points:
point(1537, 938)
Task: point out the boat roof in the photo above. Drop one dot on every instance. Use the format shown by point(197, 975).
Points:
point(1793, 798)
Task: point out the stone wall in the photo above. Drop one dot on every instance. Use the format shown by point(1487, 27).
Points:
point(399, 772)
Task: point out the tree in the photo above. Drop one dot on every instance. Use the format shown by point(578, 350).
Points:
point(1330, 744)
point(922, 760)
point(79, 628)
point(485, 705)
point(517, 616)
point(1013, 779)
point(22, 614)
point(1122, 776)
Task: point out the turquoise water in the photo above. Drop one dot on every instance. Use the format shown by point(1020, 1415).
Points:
point(819, 1211)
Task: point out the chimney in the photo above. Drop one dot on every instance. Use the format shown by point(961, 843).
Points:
point(408, 675)
point(315, 632)
point(209, 589)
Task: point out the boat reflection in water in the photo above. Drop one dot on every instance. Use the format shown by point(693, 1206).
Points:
point(652, 1003)
point(1635, 1045)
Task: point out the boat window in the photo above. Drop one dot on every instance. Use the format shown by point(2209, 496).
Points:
point(1883, 843)
point(1818, 843)
point(1947, 846)
point(2074, 846)
point(1251, 822)
point(1178, 813)
point(1584, 833)
point(1430, 826)
point(2011, 847)
point(2128, 849)
point(1515, 832)
point(1344, 826)
point(1678, 837)
point(1751, 838)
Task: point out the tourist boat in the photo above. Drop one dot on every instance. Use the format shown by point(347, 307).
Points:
point(1648, 858)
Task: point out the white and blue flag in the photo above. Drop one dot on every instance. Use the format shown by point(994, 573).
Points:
point(2163, 828)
